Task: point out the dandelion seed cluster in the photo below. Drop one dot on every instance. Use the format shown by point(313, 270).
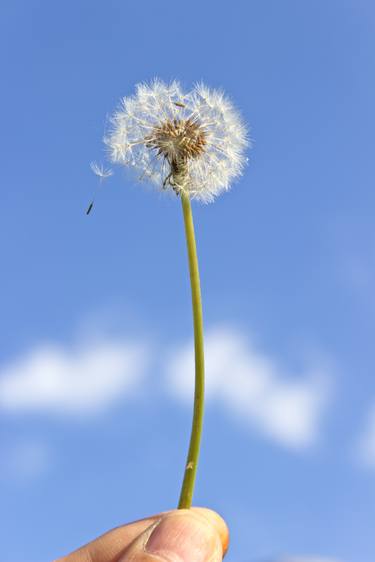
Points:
point(190, 142)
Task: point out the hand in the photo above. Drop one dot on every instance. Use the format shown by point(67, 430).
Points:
point(194, 535)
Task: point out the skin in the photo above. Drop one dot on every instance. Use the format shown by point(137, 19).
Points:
point(194, 535)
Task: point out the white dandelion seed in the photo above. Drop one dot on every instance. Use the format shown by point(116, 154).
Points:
point(191, 142)
point(100, 171)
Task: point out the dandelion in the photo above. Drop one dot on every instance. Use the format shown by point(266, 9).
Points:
point(193, 144)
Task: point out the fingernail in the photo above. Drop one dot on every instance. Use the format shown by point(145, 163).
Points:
point(185, 536)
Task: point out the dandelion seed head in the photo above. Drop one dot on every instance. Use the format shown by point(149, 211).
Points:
point(190, 142)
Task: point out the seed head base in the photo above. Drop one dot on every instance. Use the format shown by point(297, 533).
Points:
point(178, 141)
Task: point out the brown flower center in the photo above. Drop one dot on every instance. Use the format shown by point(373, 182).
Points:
point(178, 140)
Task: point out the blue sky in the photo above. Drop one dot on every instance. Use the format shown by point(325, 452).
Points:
point(95, 311)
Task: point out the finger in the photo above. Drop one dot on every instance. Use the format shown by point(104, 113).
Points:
point(107, 547)
point(194, 535)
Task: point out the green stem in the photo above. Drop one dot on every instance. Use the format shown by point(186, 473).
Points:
point(187, 489)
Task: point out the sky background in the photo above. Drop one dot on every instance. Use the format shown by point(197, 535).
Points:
point(96, 328)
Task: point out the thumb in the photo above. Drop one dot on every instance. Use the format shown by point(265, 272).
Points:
point(186, 535)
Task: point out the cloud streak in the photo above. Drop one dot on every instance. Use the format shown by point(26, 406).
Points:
point(255, 389)
point(366, 444)
point(25, 460)
point(250, 385)
point(72, 381)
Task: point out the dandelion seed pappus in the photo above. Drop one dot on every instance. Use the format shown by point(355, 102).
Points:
point(102, 173)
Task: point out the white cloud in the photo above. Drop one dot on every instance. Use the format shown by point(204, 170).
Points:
point(366, 446)
point(254, 388)
point(90, 378)
point(53, 379)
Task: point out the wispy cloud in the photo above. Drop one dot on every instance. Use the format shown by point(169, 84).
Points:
point(366, 445)
point(71, 381)
point(24, 460)
point(253, 387)
point(249, 384)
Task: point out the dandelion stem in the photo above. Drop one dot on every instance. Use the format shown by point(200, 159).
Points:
point(187, 489)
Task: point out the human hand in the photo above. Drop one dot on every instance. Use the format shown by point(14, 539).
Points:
point(185, 535)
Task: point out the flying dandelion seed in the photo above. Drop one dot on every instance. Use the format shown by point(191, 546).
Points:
point(102, 174)
point(100, 171)
point(191, 142)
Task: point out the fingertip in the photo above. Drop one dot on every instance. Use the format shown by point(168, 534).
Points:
point(185, 535)
point(218, 522)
